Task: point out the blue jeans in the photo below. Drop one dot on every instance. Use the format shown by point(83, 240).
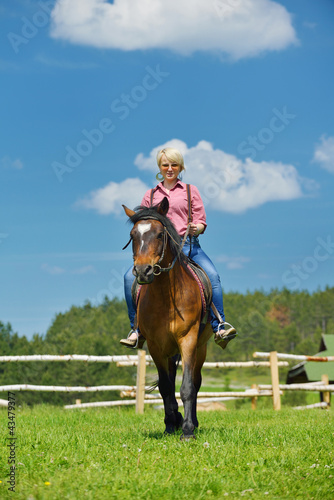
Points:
point(200, 258)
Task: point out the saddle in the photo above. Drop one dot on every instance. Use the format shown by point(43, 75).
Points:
point(202, 281)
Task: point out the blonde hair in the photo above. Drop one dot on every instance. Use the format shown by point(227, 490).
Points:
point(173, 155)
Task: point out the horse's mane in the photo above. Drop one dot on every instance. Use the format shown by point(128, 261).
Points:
point(144, 213)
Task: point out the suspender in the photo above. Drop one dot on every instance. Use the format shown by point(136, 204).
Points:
point(190, 217)
point(151, 196)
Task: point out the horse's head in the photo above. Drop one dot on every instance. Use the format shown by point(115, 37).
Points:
point(148, 240)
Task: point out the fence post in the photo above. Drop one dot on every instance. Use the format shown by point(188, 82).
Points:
point(275, 381)
point(326, 395)
point(254, 399)
point(140, 386)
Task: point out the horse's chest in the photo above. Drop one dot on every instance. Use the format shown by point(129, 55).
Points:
point(162, 308)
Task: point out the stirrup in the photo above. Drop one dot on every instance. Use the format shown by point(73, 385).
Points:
point(223, 337)
point(136, 343)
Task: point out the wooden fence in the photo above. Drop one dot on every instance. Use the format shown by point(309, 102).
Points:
point(276, 387)
point(142, 360)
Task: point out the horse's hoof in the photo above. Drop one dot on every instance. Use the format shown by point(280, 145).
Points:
point(187, 438)
point(169, 430)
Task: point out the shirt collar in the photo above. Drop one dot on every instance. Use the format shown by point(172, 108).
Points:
point(178, 183)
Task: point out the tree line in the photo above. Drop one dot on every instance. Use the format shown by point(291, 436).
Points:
point(280, 320)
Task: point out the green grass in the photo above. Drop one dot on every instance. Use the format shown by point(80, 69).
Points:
point(114, 453)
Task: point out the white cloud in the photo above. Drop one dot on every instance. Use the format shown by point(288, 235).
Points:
point(238, 28)
point(110, 198)
point(84, 270)
point(233, 262)
point(7, 162)
point(324, 153)
point(310, 25)
point(226, 183)
point(52, 269)
point(229, 184)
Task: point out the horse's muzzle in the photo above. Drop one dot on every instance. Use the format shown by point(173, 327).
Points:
point(143, 273)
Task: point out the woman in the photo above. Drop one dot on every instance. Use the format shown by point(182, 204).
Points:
point(171, 164)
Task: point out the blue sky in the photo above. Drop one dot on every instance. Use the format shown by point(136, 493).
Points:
point(91, 90)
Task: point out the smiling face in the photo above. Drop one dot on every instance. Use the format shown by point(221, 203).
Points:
point(169, 169)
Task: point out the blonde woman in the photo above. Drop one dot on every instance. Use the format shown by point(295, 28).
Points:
point(171, 164)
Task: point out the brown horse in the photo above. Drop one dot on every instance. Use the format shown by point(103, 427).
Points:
point(169, 312)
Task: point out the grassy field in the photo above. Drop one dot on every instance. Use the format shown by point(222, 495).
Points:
point(114, 453)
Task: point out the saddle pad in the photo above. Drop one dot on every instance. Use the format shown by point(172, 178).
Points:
point(203, 282)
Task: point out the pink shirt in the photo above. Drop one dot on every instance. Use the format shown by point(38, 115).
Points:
point(178, 205)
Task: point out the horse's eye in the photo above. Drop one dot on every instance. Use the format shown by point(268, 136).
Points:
point(160, 235)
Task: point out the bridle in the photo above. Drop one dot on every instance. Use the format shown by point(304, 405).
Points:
point(157, 269)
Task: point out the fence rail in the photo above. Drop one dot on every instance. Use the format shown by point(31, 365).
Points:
point(127, 360)
point(295, 357)
point(300, 387)
point(315, 405)
point(68, 357)
point(211, 364)
point(58, 388)
point(157, 399)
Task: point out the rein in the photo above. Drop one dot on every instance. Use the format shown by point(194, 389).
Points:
point(167, 269)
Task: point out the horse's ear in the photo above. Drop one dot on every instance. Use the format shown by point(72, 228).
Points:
point(128, 211)
point(163, 206)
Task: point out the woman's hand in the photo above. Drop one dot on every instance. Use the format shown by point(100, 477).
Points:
point(195, 229)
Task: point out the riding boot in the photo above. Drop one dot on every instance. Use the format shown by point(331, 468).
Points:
point(136, 343)
point(223, 337)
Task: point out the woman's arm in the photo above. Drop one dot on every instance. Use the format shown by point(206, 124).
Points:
point(198, 212)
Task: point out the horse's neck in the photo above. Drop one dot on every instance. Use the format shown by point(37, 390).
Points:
point(175, 274)
point(168, 261)
point(172, 276)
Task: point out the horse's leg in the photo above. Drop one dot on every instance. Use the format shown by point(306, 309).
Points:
point(200, 358)
point(172, 363)
point(166, 388)
point(188, 389)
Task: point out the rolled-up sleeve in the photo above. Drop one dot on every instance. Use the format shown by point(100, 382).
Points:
point(198, 210)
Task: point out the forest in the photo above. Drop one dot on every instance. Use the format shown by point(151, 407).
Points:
point(280, 320)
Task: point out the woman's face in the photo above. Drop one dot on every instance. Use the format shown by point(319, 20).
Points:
point(170, 170)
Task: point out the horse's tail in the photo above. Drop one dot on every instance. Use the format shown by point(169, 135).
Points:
point(152, 387)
